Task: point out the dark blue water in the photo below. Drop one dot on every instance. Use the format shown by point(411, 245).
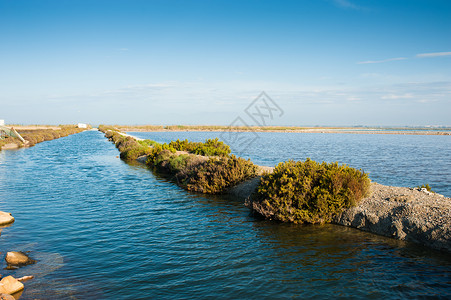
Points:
point(104, 229)
point(398, 160)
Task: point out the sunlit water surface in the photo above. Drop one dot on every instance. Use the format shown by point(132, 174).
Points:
point(103, 229)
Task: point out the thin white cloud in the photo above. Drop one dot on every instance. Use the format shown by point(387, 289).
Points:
point(434, 54)
point(381, 61)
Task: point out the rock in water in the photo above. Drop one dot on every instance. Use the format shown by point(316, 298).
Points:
point(6, 218)
point(6, 297)
point(18, 258)
point(9, 285)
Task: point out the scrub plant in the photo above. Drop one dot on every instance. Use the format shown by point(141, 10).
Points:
point(219, 173)
point(308, 192)
point(35, 136)
point(211, 147)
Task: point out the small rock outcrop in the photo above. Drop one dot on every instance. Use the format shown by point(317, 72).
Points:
point(18, 259)
point(9, 285)
point(402, 213)
point(6, 218)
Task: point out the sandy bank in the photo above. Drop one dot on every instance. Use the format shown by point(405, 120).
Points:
point(10, 146)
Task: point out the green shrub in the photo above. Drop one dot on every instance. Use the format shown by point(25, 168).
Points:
point(217, 174)
point(211, 147)
point(129, 148)
point(184, 145)
point(147, 143)
point(134, 152)
point(308, 192)
point(155, 151)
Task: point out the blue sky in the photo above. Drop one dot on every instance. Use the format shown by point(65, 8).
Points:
point(324, 62)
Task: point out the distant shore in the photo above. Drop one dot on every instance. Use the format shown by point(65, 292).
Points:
point(294, 129)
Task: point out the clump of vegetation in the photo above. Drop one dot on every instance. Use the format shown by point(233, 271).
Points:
point(193, 170)
point(129, 148)
point(40, 135)
point(156, 150)
point(308, 192)
point(204, 175)
point(179, 165)
point(148, 143)
point(427, 187)
point(34, 136)
point(217, 174)
point(211, 147)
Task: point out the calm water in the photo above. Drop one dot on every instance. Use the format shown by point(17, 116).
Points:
point(104, 229)
point(390, 159)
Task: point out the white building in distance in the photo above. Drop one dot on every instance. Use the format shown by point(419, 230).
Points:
point(2, 122)
point(82, 125)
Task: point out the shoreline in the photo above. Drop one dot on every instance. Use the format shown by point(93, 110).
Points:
point(298, 131)
point(347, 130)
point(402, 213)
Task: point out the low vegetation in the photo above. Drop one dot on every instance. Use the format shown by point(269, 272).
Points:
point(208, 175)
point(35, 136)
point(308, 192)
point(9, 140)
point(300, 192)
point(201, 167)
point(211, 147)
point(217, 174)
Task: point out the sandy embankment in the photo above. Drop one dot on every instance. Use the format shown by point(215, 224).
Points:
point(397, 212)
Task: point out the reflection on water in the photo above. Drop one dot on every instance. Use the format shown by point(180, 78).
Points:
point(103, 229)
